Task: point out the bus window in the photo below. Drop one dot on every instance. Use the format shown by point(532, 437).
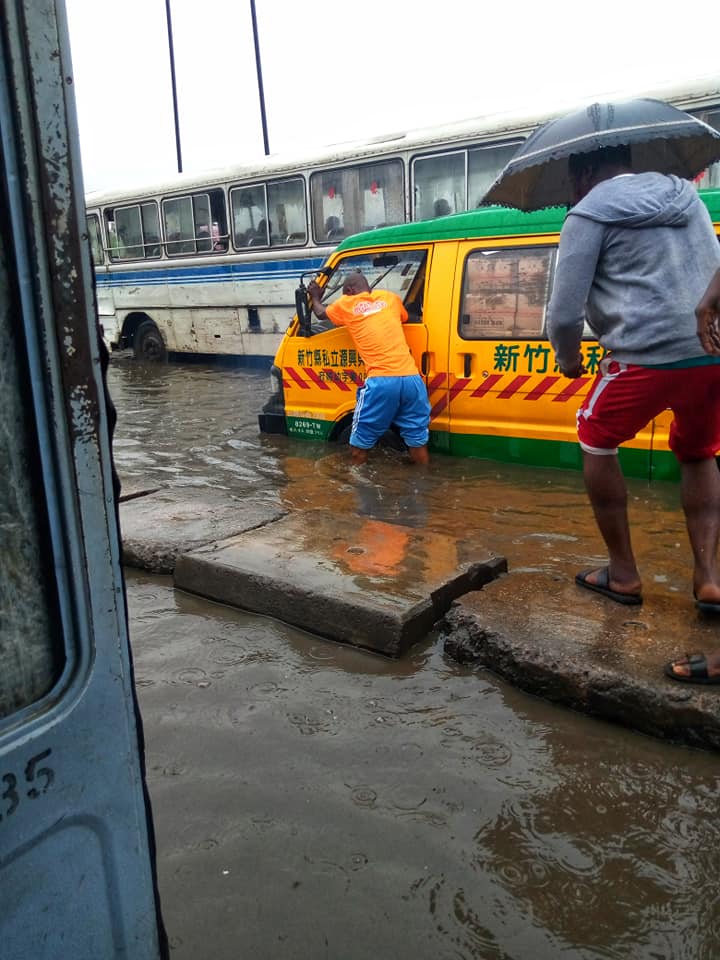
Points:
point(134, 232)
point(96, 244)
point(350, 199)
point(203, 223)
point(288, 219)
point(484, 164)
point(150, 229)
point(249, 216)
point(439, 184)
point(179, 226)
point(129, 233)
point(505, 293)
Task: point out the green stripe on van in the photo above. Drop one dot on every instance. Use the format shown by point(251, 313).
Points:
point(558, 454)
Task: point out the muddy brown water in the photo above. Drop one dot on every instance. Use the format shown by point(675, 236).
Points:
point(314, 801)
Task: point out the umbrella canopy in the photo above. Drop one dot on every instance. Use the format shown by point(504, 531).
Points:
point(661, 137)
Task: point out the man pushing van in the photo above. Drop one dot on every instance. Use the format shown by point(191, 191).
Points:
point(394, 391)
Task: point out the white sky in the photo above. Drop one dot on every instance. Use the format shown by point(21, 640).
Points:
point(341, 70)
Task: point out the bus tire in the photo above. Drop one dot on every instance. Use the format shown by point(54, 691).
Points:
point(148, 344)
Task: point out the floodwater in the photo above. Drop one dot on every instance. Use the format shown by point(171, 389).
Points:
point(314, 801)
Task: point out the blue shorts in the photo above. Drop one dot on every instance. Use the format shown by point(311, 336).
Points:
point(382, 401)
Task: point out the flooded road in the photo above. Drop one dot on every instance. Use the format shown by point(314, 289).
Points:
point(314, 801)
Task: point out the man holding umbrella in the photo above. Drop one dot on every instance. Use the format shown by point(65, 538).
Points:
point(637, 252)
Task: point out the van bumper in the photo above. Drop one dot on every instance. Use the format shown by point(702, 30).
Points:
point(272, 423)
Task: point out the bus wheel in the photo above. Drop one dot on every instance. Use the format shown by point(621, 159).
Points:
point(148, 343)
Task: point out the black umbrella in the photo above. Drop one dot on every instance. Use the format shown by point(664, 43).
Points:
point(661, 138)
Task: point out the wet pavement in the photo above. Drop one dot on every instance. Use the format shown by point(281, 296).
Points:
point(313, 800)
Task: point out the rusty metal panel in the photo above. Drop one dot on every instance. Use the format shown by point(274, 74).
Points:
point(76, 869)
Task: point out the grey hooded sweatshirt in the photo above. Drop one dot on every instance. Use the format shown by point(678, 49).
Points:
point(636, 255)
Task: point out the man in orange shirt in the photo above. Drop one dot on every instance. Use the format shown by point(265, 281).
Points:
point(394, 391)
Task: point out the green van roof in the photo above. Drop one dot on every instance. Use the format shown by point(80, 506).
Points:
point(484, 221)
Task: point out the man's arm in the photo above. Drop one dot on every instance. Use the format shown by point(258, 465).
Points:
point(580, 244)
point(315, 292)
point(707, 313)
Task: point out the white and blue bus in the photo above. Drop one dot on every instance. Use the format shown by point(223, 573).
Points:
point(208, 264)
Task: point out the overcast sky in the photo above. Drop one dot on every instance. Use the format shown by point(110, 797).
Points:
point(348, 70)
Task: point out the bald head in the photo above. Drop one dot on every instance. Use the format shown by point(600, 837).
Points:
point(355, 283)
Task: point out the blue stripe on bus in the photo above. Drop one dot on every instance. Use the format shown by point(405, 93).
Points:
point(215, 273)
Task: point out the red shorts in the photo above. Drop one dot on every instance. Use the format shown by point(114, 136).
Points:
point(624, 398)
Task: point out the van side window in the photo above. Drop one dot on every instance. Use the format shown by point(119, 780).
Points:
point(505, 292)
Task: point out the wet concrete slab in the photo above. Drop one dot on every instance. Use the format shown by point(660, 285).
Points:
point(547, 636)
point(355, 580)
point(159, 525)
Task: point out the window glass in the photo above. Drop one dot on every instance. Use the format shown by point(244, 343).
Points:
point(179, 226)
point(150, 219)
point(31, 646)
point(203, 222)
point(439, 185)
point(505, 293)
point(351, 199)
point(484, 164)
point(288, 220)
point(129, 233)
point(96, 245)
point(402, 271)
point(711, 176)
point(249, 216)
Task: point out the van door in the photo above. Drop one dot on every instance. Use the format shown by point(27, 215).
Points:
point(438, 315)
point(322, 372)
point(76, 870)
point(509, 401)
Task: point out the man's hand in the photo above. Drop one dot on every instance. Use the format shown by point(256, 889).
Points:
point(574, 370)
point(707, 314)
point(708, 330)
point(315, 290)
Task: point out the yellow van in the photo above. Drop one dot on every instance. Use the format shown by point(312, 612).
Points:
point(476, 286)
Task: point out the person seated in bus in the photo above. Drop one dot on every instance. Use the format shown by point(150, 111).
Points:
point(441, 208)
point(333, 229)
point(219, 243)
point(394, 391)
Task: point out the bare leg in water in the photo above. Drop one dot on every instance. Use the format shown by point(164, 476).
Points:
point(700, 488)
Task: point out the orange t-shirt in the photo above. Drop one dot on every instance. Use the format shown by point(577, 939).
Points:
point(374, 321)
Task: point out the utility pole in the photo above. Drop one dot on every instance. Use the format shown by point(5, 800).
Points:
point(174, 88)
point(261, 94)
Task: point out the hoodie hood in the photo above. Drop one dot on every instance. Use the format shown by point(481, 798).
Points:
point(639, 200)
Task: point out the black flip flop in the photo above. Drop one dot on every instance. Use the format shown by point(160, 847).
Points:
point(707, 606)
point(629, 599)
point(698, 669)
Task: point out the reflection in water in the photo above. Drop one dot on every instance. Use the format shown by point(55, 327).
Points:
point(494, 824)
